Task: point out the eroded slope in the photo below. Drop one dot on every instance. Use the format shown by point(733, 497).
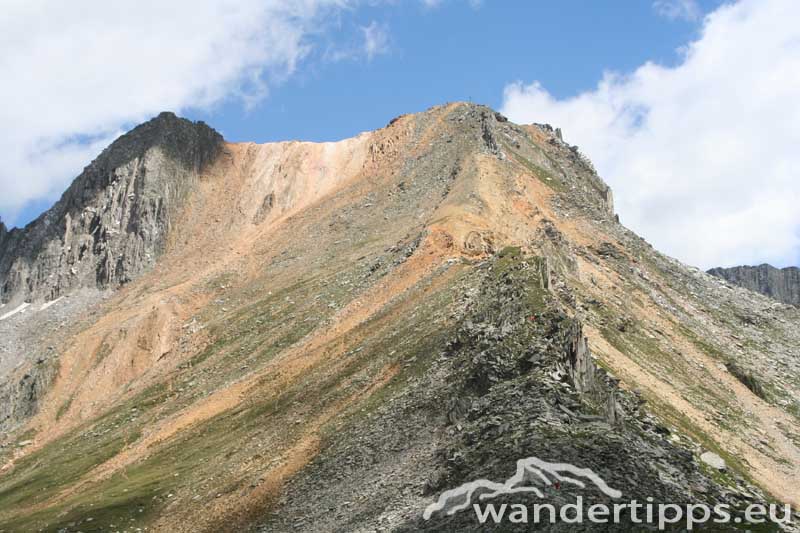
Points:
point(305, 311)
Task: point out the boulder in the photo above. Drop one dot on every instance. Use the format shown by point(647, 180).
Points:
point(714, 461)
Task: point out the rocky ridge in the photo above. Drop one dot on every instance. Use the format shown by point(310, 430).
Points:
point(109, 227)
point(343, 331)
point(111, 223)
point(516, 379)
point(780, 284)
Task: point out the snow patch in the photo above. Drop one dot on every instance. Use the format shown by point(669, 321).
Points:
point(48, 304)
point(19, 309)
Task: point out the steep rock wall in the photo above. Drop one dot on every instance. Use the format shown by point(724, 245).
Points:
point(112, 222)
point(781, 284)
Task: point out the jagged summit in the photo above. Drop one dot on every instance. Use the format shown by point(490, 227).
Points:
point(193, 143)
point(111, 222)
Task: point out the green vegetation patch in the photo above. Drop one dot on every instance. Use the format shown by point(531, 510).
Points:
point(542, 174)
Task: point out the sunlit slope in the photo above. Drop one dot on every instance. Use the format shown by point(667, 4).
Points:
point(307, 289)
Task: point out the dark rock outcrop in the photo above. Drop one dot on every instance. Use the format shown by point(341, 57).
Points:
point(516, 381)
point(20, 393)
point(112, 222)
point(780, 284)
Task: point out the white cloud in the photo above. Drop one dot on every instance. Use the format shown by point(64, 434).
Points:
point(703, 156)
point(678, 9)
point(376, 40)
point(75, 70)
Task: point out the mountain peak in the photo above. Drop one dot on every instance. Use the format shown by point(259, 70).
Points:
point(180, 137)
point(112, 221)
point(437, 288)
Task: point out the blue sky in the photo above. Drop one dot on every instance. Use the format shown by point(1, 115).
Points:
point(453, 52)
point(688, 108)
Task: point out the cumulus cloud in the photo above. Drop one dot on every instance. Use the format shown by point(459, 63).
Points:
point(702, 156)
point(73, 75)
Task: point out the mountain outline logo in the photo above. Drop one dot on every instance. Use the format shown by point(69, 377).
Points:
point(528, 470)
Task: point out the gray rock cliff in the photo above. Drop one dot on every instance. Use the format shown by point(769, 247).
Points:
point(780, 284)
point(111, 224)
